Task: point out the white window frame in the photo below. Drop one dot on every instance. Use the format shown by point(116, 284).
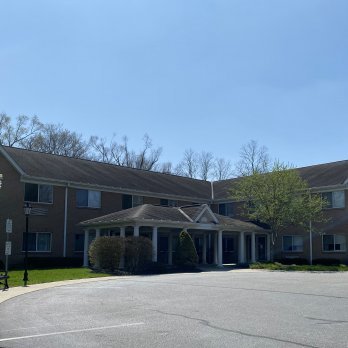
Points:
point(333, 200)
point(227, 209)
point(36, 241)
point(88, 199)
point(334, 251)
point(292, 243)
point(38, 193)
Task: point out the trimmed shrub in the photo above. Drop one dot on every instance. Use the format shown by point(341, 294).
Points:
point(138, 254)
point(186, 254)
point(326, 262)
point(292, 261)
point(105, 252)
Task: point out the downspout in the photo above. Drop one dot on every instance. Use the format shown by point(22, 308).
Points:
point(310, 237)
point(65, 220)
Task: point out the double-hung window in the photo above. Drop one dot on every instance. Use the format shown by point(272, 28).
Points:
point(168, 202)
point(88, 199)
point(129, 201)
point(334, 242)
point(137, 200)
point(38, 241)
point(38, 193)
point(226, 209)
point(293, 243)
point(334, 199)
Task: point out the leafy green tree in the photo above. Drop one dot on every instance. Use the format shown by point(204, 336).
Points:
point(186, 254)
point(279, 198)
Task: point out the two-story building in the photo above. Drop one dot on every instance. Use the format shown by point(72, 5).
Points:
point(115, 200)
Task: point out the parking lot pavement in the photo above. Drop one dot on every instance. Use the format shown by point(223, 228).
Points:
point(209, 309)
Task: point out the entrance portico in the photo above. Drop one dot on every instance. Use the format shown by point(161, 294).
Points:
point(218, 239)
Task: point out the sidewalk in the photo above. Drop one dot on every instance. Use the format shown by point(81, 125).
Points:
point(21, 290)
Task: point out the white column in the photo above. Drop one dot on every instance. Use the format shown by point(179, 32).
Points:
point(154, 243)
point(122, 235)
point(204, 251)
point(170, 249)
point(97, 235)
point(241, 247)
point(268, 247)
point(215, 248)
point(136, 231)
point(253, 247)
point(85, 249)
point(220, 249)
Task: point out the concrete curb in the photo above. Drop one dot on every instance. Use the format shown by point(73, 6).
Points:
point(21, 290)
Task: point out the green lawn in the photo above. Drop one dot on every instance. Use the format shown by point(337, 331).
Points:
point(275, 266)
point(37, 276)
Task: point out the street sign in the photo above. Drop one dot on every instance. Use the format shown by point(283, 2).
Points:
point(8, 226)
point(8, 247)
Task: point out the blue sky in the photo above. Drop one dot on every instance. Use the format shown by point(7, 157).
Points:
point(207, 75)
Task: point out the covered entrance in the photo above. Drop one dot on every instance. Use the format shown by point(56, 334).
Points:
point(218, 239)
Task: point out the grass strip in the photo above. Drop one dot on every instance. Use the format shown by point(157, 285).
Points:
point(276, 266)
point(38, 276)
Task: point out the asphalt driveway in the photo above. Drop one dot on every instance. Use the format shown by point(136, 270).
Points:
point(211, 309)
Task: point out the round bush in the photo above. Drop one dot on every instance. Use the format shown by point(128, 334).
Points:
point(138, 254)
point(186, 254)
point(105, 252)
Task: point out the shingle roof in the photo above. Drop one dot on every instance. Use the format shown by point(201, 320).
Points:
point(168, 214)
point(320, 175)
point(62, 168)
point(66, 169)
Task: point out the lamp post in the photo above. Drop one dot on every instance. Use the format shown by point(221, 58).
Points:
point(27, 211)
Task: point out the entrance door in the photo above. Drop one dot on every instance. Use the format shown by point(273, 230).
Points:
point(228, 250)
point(261, 248)
point(163, 249)
point(199, 247)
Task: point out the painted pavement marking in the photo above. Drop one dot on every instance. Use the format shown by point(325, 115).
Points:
point(71, 331)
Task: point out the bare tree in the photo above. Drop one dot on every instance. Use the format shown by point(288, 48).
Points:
point(54, 139)
point(205, 165)
point(21, 130)
point(222, 169)
point(147, 157)
point(119, 153)
point(253, 159)
point(189, 165)
point(165, 167)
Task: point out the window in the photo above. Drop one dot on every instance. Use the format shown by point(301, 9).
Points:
point(79, 242)
point(168, 203)
point(38, 241)
point(334, 242)
point(226, 209)
point(334, 199)
point(137, 200)
point(129, 201)
point(38, 193)
point(88, 199)
point(293, 243)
